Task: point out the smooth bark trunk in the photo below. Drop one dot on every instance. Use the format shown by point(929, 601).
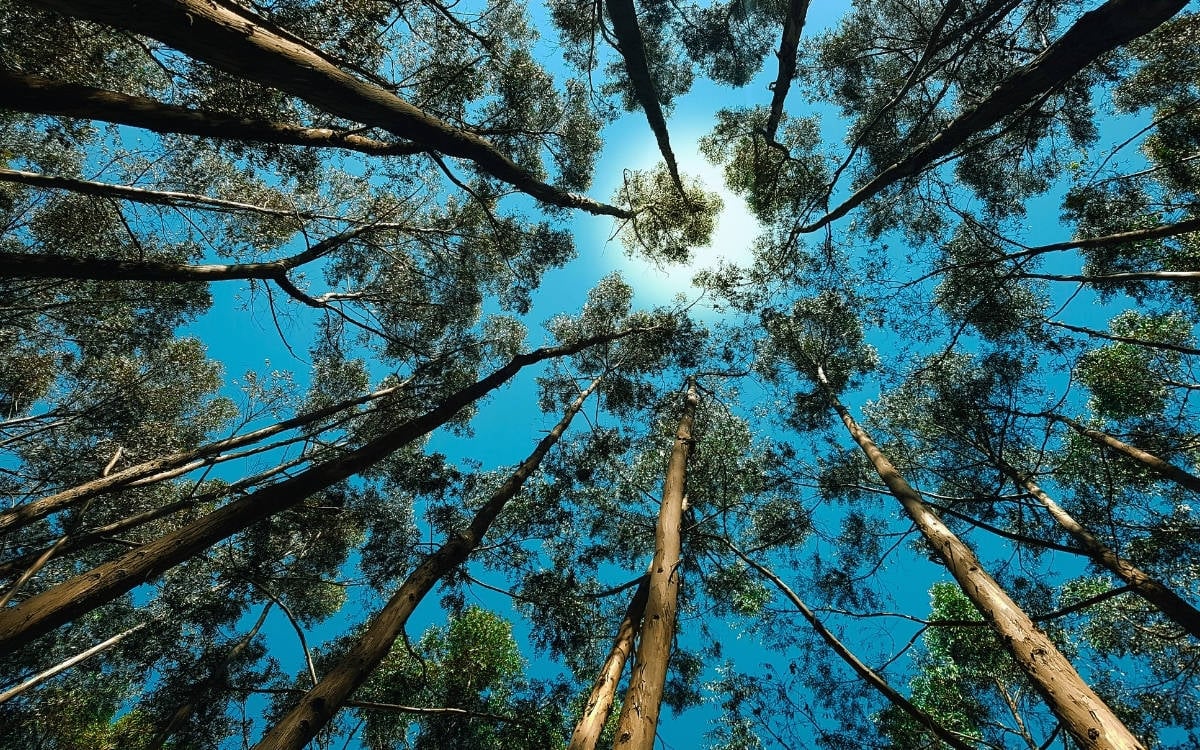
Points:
point(37, 95)
point(643, 699)
point(789, 43)
point(1140, 582)
point(172, 465)
point(1086, 717)
point(604, 690)
point(632, 47)
point(319, 705)
point(1114, 278)
point(220, 35)
point(1096, 33)
point(870, 676)
point(63, 666)
point(1150, 461)
point(42, 613)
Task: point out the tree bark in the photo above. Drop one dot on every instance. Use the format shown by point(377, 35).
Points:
point(220, 35)
point(63, 666)
point(793, 25)
point(632, 47)
point(1123, 339)
point(174, 464)
point(643, 699)
point(600, 701)
point(42, 613)
point(870, 676)
point(1097, 32)
point(1148, 460)
point(1090, 722)
point(1140, 582)
point(29, 93)
point(318, 706)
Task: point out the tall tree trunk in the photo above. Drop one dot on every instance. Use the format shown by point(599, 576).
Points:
point(789, 43)
point(318, 705)
point(1092, 723)
point(44, 612)
point(1140, 582)
point(632, 47)
point(37, 95)
point(222, 36)
point(1097, 32)
point(1148, 460)
point(1165, 346)
point(643, 700)
point(870, 676)
point(600, 702)
point(66, 664)
point(170, 466)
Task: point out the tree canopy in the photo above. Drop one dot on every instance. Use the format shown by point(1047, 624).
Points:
point(329, 417)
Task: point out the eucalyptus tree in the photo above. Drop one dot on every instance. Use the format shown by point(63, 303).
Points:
point(822, 339)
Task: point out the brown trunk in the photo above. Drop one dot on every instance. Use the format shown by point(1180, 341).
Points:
point(220, 35)
point(643, 699)
point(1140, 582)
point(1097, 32)
point(318, 706)
point(632, 47)
point(37, 95)
point(788, 45)
point(1150, 461)
point(600, 702)
point(44, 612)
point(1092, 723)
point(870, 676)
point(172, 465)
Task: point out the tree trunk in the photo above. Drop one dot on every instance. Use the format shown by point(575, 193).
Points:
point(1140, 582)
point(643, 700)
point(172, 465)
point(1092, 723)
point(632, 47)
point(63, 666)
point(789, 43)
point(600, 702)
point(222, 36)
point(870, 676)
point(42, 96)
point(318, 706)
point(42, 613)
point(1148, 460)
point(1167, 347)
point(1097, 32)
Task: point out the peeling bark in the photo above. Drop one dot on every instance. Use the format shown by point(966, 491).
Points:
point(643, 700)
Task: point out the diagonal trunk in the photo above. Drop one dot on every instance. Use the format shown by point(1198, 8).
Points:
point(1163, 345)
point(643, 700)
point(170, 466)
point(1140, 582)
point(29, 93)
point(318, 706)
point(600, 702)
point(222, 36)
point(788, 45)
point(66, 664)
point(632, 47)
point(1150, 461)
point(1090, 722)
point(1097, 32)
point(48, 610)
point(870, 676)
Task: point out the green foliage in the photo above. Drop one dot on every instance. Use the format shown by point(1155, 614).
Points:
point(666, 226)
